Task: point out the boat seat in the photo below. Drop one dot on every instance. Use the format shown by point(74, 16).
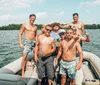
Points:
point(79, 77)
point(10, 79)
point(30, 81)
point(88, 74)
point(89, 78)
point(6, 71)
point(31, 76)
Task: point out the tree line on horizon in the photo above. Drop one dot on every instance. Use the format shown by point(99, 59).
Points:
point(18, 26)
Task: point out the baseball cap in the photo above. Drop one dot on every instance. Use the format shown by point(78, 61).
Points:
point(61, 30)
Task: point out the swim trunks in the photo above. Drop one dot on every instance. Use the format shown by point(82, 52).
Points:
point(45, 67)
point(68, 68)
point(29, 46)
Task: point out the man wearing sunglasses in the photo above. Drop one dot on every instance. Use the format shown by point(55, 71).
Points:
point(44, 48)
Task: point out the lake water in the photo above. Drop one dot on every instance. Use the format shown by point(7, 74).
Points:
point(10, 50)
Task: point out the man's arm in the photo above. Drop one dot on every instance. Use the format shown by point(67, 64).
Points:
point(80, 52)
point(22, 29)
point(36, 31)
point(52, 49)
point(53, 46)
point(64, 26)
point(36, 49)
point(83, 30)
point(87, 39)
point(59, 53)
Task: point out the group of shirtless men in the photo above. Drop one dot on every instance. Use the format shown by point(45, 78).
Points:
point(48, 48)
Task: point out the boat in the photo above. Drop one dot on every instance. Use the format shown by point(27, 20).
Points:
point(89, 74)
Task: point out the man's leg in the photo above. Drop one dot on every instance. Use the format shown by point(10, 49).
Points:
point(23, 63)
point(50, 70)
point(41, 70)
point(63, 79)
point(50, 82)
point(72, 82)
point(39, 81)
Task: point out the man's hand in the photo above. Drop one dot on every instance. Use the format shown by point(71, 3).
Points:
point(21, 45)
point(78, 66)
point(36, 59)
point(76, 37)
point(87, 34)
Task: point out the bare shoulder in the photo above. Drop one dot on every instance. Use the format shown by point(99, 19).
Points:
point(24, 25)
point(62, 42)
point(81, 23)
point(40, 36)
point(35, 27)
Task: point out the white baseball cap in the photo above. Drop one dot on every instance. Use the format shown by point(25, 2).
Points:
point(61, 30)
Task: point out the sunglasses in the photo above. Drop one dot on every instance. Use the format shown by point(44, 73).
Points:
point(48, 30)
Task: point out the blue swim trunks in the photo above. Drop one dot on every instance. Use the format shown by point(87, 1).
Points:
point(68, 68)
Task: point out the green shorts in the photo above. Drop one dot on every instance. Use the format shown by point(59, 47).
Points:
point(68, 68)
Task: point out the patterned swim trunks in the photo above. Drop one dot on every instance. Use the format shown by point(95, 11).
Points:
point(68, 68)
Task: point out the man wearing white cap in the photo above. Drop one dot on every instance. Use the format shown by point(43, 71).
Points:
point(62, 34)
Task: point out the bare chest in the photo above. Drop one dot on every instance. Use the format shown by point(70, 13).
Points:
point(45, 41)
point(69, 47)
point(76, 26)
point(31, 28)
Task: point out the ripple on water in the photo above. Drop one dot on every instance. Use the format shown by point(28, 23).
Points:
point(6, 53)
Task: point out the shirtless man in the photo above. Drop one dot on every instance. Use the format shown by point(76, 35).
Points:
point(45, 46)
point(30, 32)
point(79, 26)
point(68, 48)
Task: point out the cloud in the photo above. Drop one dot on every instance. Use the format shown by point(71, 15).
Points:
point(41, 15)
point(89, 3)
point(6, 19)
point(15, 4)
point(10, 18)
point(58, 14)
point(45, 15)
point(61, 13)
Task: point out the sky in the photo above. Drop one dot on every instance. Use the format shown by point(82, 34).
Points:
point(48, 11)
